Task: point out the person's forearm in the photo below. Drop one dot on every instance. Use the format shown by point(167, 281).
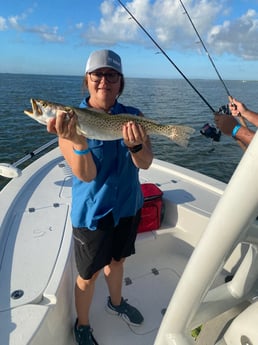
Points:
point(245, 135)
point(250, 116)
point(79, 158)
point(143, 158)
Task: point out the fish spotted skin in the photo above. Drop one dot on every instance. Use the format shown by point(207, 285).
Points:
point(99, 125)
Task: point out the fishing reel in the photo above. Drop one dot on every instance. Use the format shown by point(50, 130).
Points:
point(224, 109)
point(210, 132)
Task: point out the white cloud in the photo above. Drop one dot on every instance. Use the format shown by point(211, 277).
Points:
point(114, 26)
point(167, 23)
point(51, 37)
point(3, 25)
point(14, 23)
point(45, 32)
point(163, 19)
point(237, 37)
point(79, 26)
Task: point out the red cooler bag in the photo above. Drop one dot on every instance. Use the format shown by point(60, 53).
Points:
point(152, 210)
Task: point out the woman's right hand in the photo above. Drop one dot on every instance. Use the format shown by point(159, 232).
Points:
point(65, 127)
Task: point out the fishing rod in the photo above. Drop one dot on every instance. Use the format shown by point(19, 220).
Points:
point(241, 119)
point(11, 170)
point(167, 57)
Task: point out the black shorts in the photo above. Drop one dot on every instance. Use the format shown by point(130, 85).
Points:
point(95, 249)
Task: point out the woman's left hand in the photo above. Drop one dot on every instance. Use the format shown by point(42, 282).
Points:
point(134, 134)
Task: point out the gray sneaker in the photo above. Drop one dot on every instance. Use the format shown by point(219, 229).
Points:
point(83, 335)
point(129, 314)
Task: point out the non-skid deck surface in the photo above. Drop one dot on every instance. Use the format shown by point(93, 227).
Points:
point(150, 293)
point(149, 282)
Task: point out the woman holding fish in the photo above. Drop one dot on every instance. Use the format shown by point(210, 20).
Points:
point(107, 198)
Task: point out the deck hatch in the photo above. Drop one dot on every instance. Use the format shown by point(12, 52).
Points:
point(30, 254)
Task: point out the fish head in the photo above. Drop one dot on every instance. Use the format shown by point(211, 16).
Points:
point(42, 111)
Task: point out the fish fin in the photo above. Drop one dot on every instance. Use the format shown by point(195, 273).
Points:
point(181, 135)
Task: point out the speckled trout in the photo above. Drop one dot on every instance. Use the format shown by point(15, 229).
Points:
point(99, 125)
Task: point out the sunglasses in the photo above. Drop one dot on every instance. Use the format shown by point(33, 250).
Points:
point(111, 77)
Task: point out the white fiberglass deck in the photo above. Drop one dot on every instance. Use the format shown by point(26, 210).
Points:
point(36, 246)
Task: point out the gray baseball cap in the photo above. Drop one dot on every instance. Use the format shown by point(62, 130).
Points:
point(103, 58)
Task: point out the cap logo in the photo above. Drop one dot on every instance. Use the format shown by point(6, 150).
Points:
point(115, 62)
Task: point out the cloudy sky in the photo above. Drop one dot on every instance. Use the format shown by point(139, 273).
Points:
point(56, 37)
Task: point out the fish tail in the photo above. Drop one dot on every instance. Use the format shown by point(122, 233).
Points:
point(180, 134)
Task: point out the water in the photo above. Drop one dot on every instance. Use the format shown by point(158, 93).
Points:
point(168, 101)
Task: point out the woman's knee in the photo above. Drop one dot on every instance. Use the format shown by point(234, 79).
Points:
point(85, 283)
point(116, 263)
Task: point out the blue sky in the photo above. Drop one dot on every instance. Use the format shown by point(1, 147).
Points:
point(56, 37)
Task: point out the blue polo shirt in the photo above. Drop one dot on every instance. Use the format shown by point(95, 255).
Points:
point(116, 187)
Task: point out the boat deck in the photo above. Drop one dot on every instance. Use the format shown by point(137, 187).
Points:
point(150, 278)
point(37, 256)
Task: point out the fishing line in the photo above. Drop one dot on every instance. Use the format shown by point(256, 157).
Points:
point(167, 57)
point(241, 119)
point(206, 50)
